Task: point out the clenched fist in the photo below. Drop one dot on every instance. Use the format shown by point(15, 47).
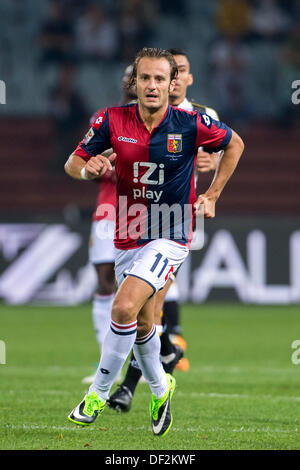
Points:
point(205, 206)
point(98, 165)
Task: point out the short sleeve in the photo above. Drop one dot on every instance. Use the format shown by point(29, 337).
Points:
point(212, 134)
point(97, 138)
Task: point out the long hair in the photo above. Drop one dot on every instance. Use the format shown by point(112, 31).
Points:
point(153, 53)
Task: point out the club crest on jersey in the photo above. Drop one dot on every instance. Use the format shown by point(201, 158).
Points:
point(174, 143)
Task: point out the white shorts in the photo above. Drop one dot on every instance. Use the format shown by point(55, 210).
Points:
point(153, 262)
point(101, 246)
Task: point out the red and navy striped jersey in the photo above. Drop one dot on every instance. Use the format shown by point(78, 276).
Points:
point(153, 169)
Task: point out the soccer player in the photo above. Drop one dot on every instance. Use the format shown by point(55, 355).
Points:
point(102, 256)
point(122, 397)
point(155, 147)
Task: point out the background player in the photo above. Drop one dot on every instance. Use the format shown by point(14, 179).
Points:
point(205, 162)
point(122, 397)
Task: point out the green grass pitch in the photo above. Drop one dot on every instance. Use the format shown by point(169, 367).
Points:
point(242, 390)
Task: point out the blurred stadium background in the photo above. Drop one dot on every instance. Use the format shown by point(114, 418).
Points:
point(62, 60)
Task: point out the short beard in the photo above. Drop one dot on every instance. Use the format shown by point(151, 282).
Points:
point(153, 110)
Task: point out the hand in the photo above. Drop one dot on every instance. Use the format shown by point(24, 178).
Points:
point(206, 161)
point(204, 206)
point(99, 165)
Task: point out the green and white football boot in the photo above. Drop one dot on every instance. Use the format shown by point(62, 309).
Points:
point(87, 411)
point(160, 412)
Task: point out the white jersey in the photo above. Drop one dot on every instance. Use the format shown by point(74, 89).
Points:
point(189, 105)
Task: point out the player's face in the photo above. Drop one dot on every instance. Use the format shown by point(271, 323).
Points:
point(184, 79)
point(153, 82)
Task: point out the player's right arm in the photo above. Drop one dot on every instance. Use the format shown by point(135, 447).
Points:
point(78, 168)
point(87, 161)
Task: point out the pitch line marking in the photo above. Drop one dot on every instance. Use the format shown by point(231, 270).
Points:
point(237, 395)
point(233, 396)
point(230, 396)
point(242, 429)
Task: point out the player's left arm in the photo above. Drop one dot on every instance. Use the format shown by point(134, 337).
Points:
point(207, 161)
point(232, 153)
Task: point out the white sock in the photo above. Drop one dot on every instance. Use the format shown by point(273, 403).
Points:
point(102, 305)
point(117, 345)
point(147, 353)
point(159, 329)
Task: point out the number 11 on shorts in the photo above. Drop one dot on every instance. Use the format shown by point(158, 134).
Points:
point(156, 262)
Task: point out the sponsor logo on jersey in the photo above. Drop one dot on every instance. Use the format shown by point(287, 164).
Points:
point(206, 120)
point(89, 135)
point(174, 143)
point(127, 139)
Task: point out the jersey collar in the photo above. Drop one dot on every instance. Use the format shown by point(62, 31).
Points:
point(141, 121)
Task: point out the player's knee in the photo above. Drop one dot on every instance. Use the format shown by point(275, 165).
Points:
point(123, 311)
